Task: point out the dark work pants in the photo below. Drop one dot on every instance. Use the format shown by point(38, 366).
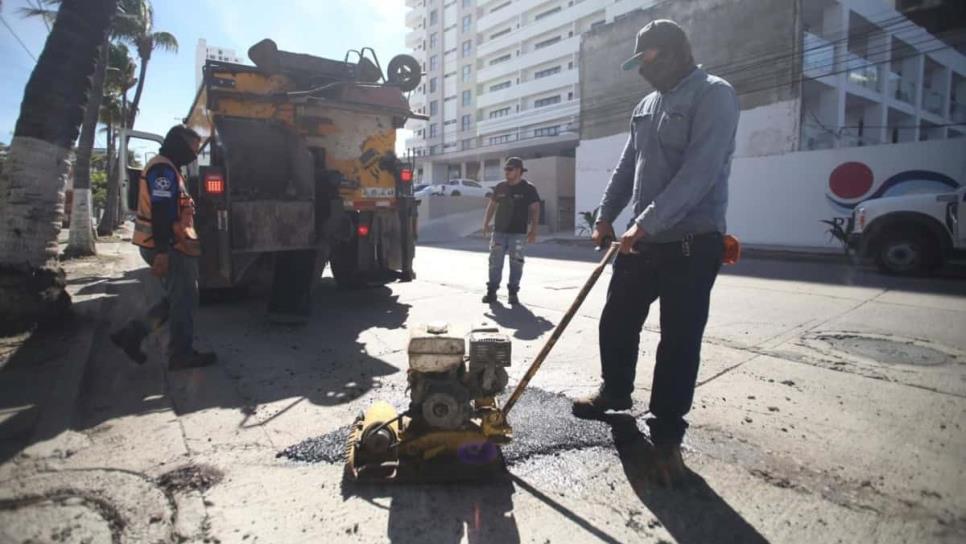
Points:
point(683, 284)
point(177, 308)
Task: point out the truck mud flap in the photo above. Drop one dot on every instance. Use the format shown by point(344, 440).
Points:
point(292, 280)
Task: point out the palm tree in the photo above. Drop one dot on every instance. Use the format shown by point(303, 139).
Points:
point(32, 287)
point(120, 78)
point(137, 27)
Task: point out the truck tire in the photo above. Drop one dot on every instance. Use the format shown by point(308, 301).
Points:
point(455, 193)
point(345, 265)
point(907, 252)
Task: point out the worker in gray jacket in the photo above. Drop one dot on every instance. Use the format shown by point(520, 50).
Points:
point(675, 168)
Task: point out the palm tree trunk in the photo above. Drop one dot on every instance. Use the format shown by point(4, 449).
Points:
point(133, 111)
point(81, 241)
point(32, 286)
point(106, 226)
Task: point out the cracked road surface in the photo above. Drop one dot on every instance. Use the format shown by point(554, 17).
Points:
point(829, 409)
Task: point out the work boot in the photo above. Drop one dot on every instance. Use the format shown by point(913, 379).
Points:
point(595, 405)
point(195, 359)
point(667, 469)
point(129, 339)
point(513, 299)
point(489, 297)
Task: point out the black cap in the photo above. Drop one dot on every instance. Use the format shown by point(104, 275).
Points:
point(514, 162)
point(658, 34)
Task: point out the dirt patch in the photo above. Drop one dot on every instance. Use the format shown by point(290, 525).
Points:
point(887, 350)
point(190, 478)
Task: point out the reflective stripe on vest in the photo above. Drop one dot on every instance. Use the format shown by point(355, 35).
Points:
point(183, 229)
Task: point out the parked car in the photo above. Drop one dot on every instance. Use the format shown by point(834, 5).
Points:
point(911, 234)
point(424, 190)
point(464, 187)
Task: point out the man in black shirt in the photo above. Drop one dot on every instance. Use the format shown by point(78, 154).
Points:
point(513, 202)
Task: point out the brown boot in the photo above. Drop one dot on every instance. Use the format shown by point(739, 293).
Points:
point(595, 405)
point(195, 359)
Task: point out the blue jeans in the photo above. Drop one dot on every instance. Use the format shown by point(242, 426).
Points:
point(178, 306)
point(502, 244)
point(683, 284)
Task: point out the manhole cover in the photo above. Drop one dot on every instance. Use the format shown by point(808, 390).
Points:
point(885, 350)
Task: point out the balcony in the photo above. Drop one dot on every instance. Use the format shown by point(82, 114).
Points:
point(558, 50)
point(862, 72)
point(529, 117)
point(901, 88)
point(534, 28)
point(933, 102)
point(557, 81)
point(515, 9)
point(957, 112)
point(414, 38)
point(819, 57)
point(413, 17)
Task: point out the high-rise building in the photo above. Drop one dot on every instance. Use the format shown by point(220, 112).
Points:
point(204, 52)
point(501, 79)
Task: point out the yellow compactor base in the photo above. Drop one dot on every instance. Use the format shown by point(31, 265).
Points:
point(431, 455)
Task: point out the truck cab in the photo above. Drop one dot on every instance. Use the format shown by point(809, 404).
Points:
point(911, 234)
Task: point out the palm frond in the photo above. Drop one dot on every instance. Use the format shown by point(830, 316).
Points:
point(165, 41)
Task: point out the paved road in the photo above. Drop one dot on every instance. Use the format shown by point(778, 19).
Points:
point(830, 408)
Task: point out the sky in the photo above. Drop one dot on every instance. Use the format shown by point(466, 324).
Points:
point(325, 28)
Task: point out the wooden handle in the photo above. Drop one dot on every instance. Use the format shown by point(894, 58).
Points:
point(558, 330)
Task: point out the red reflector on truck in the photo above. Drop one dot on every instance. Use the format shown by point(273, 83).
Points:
point(406, 175)
point(363, 231)
point(214, 184)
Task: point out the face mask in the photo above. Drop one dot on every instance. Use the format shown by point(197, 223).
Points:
point(664, 72)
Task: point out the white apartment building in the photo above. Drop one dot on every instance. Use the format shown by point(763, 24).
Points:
point(872, 76)
point(204, 52)
point(501, 79)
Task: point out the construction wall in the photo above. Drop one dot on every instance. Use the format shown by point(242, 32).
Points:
point(781, 200)
point(554, 179)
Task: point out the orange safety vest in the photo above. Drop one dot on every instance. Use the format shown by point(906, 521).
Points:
point(185, 236)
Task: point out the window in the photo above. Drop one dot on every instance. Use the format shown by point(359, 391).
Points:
point(432, 85)
point(433, 62)
point(498, 60)
point(433, 131)
point(433, 17)
point(467, 47)
point(449, 123)
point(466, 73)
point(467, 23)
point(433, 40)
point(434, 107)
point(546, 101)
point(502, 112)
point(434, 150)
point(546, 131)
point(499, 139)
point(545, 43)
point(465, 122)
point(547, 13)
point(467, 98)
point(596, 24)
point(469, 183)
point(547, 72)
point(501, 6)
point(503, 32)
point(467, 3)
point(499, 86)
point(466, 144)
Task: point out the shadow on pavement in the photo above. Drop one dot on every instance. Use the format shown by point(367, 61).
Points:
point(446, 513)
point(525, 324)
point(691, 514)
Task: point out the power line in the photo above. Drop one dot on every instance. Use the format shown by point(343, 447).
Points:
point(16, 37)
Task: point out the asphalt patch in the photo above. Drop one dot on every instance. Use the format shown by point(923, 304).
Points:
point(888, 351)
point(542, 425)
point(190, 477)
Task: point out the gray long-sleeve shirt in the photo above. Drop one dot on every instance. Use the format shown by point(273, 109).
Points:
point(677, 160)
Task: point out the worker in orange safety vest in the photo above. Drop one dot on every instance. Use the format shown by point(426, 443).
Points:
point(164, 230)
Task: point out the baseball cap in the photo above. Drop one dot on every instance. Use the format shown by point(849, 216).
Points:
point(514, 162)
point(660, 34)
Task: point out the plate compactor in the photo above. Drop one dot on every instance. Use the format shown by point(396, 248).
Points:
point(454, 425)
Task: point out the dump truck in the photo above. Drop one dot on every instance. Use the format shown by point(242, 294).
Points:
point(298, 171)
